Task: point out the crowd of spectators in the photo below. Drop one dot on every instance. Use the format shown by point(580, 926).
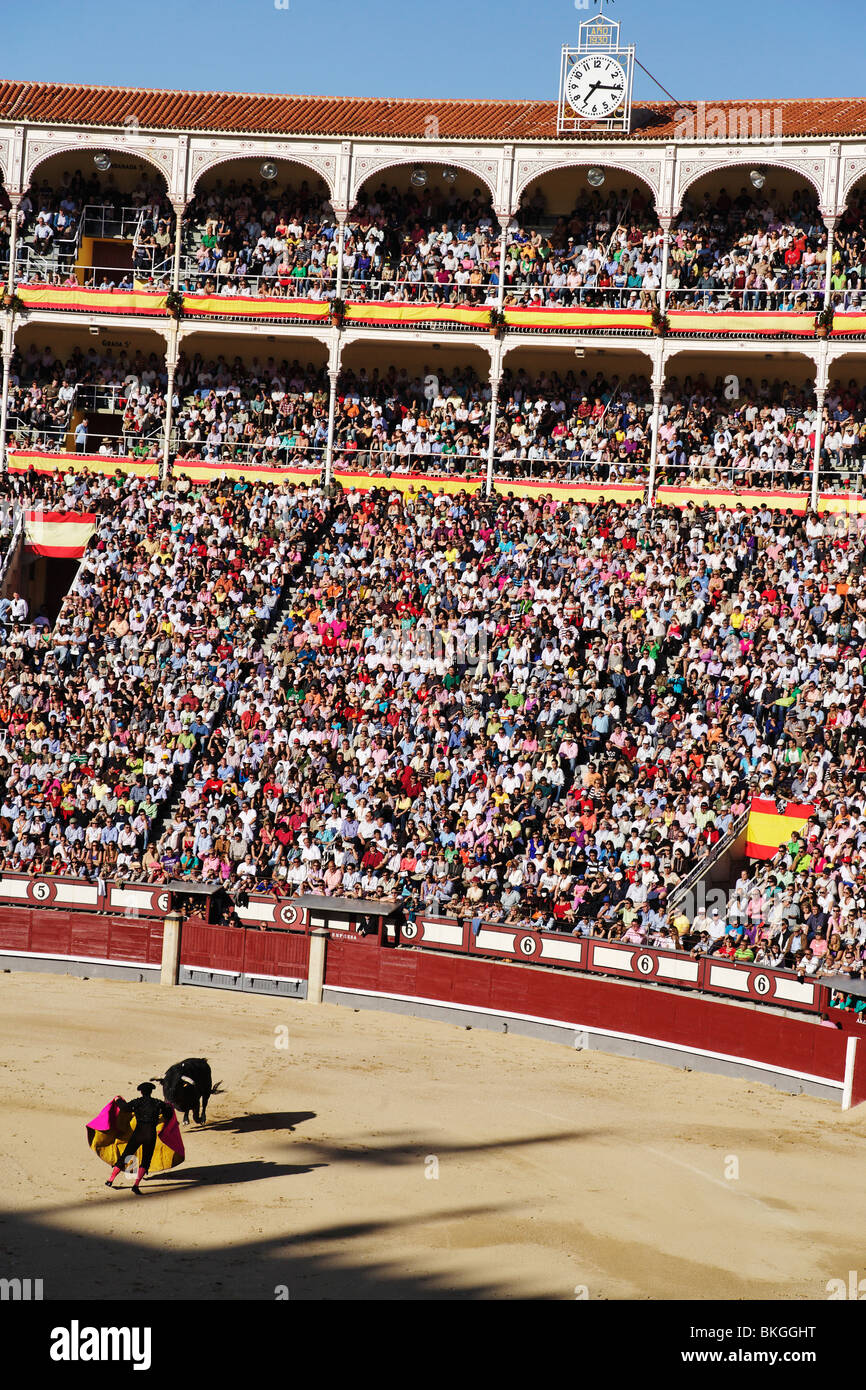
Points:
point(116, 399)
point(722, 432)
point(52, 219)
point(735, 249)
point(417, 729)
point(101, 715)
point(501, 708)
point(747, 251)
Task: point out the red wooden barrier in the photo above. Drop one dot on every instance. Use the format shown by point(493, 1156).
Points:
point(682, 1019)
point(212, 948)
point(276, 953)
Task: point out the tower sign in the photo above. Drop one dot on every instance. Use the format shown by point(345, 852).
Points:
point(595, 79)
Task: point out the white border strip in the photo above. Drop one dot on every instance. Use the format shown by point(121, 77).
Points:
point(211, 969)
point(289, 979)
point(850, 1059)
point(602, 1032)
point(83, 960)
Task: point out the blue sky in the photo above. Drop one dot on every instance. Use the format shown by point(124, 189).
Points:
point(401, 48)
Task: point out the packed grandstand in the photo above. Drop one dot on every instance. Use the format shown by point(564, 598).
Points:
point(509, 627)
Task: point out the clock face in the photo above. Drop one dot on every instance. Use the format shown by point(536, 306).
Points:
point(595, 86)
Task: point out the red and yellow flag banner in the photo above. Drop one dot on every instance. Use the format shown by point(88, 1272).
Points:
point(578, 319)
point(730, 321)
point(725, 322)
point(769, 828)
point(63, 535)
point(201, 472)
point(776, 499)
point(22, 460)
point(406, 315)
point(240, 307)
point(93, 301)
point(844, 325)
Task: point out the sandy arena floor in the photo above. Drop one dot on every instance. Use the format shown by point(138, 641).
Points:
point(556, 1169)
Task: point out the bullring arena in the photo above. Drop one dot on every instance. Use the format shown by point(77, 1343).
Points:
point(560, 1174)
point(432, 628)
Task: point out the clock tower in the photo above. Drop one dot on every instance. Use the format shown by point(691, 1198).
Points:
point(595, 79)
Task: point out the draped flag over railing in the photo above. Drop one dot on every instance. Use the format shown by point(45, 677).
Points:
point(769, 828)
point(63, 535)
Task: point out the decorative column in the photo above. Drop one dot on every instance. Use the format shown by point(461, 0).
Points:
point(822, 381)
point(14, 201)
point(179, 210)
point(334, 355)
point(830, 224)
point(171, 355)
point(341, 215)
point(8, 349)
point(495, 379)
point(658, 381)
point(504, 222)
point(665, 224)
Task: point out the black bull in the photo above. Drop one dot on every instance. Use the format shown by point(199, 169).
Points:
point(188, 1085)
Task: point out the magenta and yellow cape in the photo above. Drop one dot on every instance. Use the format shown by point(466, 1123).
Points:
point(109, 1132)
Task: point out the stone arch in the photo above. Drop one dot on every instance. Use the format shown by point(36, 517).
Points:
point(527, 172)
point(691, 172)
point(853, 171)
point(367, 167)
point(40, 151)
point(201, 162)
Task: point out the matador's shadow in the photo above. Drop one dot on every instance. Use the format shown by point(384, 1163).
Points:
point(218, 1174)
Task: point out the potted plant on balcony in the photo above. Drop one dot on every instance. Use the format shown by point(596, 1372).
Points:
point(174, 304)
point(496, 323)
point(11, 302)
point(337, 312)
point(658, 322)
point(824, 321)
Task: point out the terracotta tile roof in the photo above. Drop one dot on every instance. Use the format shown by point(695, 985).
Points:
point(67, 104)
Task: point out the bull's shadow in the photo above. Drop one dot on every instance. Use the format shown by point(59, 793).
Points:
point(255, 1124)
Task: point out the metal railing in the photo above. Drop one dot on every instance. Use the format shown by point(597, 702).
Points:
point(470, 465)
point(846, 475)
point(706, 862)
point(713, 472)
point(724, 297)
point(110, 397)
point(121, 444)
point(34, 265)
point(39, 271)
point(17, 532)
point(113, 224)
point(152, 268)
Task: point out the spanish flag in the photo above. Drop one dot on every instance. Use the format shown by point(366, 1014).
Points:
point(61, 534)
point(109, 1131)
point(769, 828)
